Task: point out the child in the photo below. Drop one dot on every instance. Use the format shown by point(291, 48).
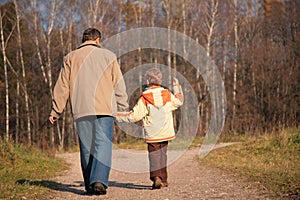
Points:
point(155, 107)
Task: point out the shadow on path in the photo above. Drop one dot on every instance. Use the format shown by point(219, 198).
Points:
point(53, 186)
point(72, 187)
point(129, 185)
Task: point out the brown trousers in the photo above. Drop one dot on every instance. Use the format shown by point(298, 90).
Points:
point(157, 153)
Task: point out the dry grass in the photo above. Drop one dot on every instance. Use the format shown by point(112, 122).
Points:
point(25, 172)
point(274, 160)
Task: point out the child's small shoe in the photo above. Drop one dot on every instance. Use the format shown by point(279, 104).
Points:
point(156, 183)
point(164, 184)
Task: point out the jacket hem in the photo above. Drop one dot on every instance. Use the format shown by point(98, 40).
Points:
point(160, 139)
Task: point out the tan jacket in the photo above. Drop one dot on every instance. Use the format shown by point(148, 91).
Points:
point(155, 108)
point(92, 78)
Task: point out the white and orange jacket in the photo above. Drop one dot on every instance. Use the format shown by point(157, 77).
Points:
point(155, 108)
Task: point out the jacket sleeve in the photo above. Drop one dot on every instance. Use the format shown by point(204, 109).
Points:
point(61, 90)
point(119, 87)
point(138, 112)
point(178, 98)
point(177, 101)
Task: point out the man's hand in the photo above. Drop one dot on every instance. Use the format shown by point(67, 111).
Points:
point(52, 119)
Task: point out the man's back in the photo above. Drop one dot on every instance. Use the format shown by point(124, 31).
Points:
point(94, 78)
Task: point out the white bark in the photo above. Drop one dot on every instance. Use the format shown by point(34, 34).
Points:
point(167, 6)
point(153, 14)
point(48, 36)
point(37, 43)
point(61, 132)
point(235, 65)
point(49, 64)
point(210, 22)
point(17, 113)
point(3, 47)
point(184, 25)
point(225, 53)
point(26, 96)
point(139, 22)
point(96, 15)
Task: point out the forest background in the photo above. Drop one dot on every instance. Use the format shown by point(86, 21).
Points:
point(255, 45)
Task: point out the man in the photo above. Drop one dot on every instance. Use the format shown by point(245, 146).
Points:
point(92, 78)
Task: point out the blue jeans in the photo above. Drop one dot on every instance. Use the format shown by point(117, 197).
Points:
point(95, 139)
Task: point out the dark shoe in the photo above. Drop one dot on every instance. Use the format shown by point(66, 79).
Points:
point(156, 183)
point(89, 192)
point(99, 189)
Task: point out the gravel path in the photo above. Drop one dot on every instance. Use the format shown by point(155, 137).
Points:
point(188, 179)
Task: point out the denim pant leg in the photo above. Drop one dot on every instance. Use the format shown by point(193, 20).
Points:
point(102, 150)
point(84, 127)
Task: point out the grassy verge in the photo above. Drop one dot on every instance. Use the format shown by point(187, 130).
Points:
point(24, 172)
point(274, 160)
point(131, 143)
point(177, 144)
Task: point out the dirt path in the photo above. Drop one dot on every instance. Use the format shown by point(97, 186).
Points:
point(187, 180)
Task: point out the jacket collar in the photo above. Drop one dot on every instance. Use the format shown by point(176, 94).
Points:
point(88, 44)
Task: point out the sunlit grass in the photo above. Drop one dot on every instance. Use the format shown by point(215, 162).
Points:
point(274, 160)
point(177, 144)
point(131, 143)
point(24, 171)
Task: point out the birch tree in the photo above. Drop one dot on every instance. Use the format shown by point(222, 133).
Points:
point(26, 96)
point(167, 8)
point(36, 39)
point(66, 25)
point(210, 21)
point(3, 48)
point(97, 10)
point(48, 36)
point(236, 39)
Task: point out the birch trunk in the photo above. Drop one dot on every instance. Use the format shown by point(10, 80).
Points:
point(17, 113)
point(211, 23)
point(167, 6)
point(3, 47)
point(139, 49)
point(225, 53)
point(95, 15)
point(49, 70)
point(153, 14)
point(184, 25)
point(61, 132)
point(26, 96)
point(37, 43)
point(69, 119)
point(235, 66)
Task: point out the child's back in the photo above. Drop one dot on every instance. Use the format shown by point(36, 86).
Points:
point(155, 108)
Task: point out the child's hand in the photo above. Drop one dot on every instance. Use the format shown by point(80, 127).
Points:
point(122, 117)
point(176, 86)
point(175, 81)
